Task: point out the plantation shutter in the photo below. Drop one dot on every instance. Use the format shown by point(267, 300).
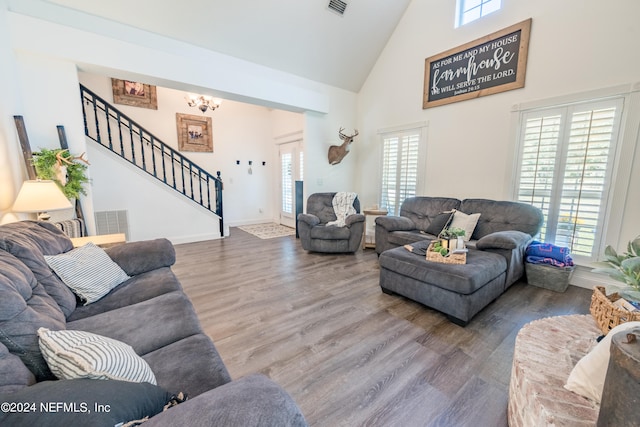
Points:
point(399, 169)
point(565, 169)
point(301, 166)
point(538, 163)
point(286, 181)
point(586, 177)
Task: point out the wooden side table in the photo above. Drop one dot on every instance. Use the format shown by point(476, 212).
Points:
point(103, 240)
point(373, 214)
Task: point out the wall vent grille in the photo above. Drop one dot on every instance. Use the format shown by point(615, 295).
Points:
point(112, 222)
point(338, 6)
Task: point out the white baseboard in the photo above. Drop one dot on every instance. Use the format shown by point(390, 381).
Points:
point(584, 278)
point(176, 240)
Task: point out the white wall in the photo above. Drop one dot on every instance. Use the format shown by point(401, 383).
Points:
point(320, 176)
point(285, 122)
point(9, 106)
point(153, 210)
point(65, 41)
point(240, 132)
point(575, 46)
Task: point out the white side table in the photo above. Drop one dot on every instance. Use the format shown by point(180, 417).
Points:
point(370, 226)
point(103, 240)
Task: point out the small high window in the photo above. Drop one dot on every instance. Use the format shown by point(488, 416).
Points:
point(470, 10)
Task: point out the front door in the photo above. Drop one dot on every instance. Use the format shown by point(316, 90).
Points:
point(287, 183)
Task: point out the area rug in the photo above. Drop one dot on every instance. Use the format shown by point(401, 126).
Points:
point(268, 231)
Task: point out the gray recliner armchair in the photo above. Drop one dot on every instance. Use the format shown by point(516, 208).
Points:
point(317, 236)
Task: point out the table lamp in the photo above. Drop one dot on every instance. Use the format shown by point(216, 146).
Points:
point(40, 196)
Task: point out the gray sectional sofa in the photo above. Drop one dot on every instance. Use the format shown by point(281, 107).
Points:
point(504, 227)
point(494, 262)
point(150, 312)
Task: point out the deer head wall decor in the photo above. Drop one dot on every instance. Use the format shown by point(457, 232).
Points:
point(60, 168)
point(337, 152)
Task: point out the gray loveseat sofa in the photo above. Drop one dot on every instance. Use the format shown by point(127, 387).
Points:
point(149, 312)
point(504, 227)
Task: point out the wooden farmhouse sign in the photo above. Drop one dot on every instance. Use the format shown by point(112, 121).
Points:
point(492, 64)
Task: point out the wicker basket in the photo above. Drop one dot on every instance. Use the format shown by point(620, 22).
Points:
point(449, 259)
point(607, 315)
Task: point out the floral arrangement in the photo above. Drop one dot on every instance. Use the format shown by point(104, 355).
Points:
point(451, 233)
point(62, 168)
point(444, 244)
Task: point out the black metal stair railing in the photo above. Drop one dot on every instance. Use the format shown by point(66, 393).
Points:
point(113, 130)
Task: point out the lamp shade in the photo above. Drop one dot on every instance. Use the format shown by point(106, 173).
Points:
point(40, 196)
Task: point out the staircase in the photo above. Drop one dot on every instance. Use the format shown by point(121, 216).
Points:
point(116, 132)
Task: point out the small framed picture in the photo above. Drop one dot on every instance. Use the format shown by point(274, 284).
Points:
point(135, 94)
point(194, 133)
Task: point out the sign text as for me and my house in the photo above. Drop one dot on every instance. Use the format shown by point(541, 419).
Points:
point(492, 64)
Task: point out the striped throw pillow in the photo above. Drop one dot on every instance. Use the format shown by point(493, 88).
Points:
point(79, 354)
point(88, 271)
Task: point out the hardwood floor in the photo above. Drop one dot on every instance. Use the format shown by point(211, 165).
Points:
point(348, 354)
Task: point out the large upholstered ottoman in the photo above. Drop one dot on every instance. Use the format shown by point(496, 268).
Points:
point(459, 291)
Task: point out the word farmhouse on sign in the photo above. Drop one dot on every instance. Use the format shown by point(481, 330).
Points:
point(495, 63)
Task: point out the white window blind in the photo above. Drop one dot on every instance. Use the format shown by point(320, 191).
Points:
point(287, 183)
point(566, 163)
point(301, 166)
point(400, 157)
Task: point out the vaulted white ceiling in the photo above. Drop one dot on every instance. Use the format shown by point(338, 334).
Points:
point(301, 37)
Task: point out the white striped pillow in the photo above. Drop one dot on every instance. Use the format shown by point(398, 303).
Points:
point(88, 271)
point(79, 354)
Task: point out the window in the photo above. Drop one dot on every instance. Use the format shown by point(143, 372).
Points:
point(470, 10)
point(286, 167)
point(400, 159)
point(566, 164)
point(301, 171)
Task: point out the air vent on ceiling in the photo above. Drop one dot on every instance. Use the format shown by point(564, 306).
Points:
point(338, 6)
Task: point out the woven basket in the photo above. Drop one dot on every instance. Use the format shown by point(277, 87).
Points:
point(607, 315)
point(449, 259)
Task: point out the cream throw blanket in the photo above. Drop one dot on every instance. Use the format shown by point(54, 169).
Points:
point(343, 207)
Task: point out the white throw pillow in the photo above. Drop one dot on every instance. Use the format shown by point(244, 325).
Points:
point(466, 222)
point(88, 271)
point(79, 354)
point(587, 377)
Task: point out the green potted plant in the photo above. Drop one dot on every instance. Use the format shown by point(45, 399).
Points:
point(624, 268)
point(452, 238)
point(61, 167)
